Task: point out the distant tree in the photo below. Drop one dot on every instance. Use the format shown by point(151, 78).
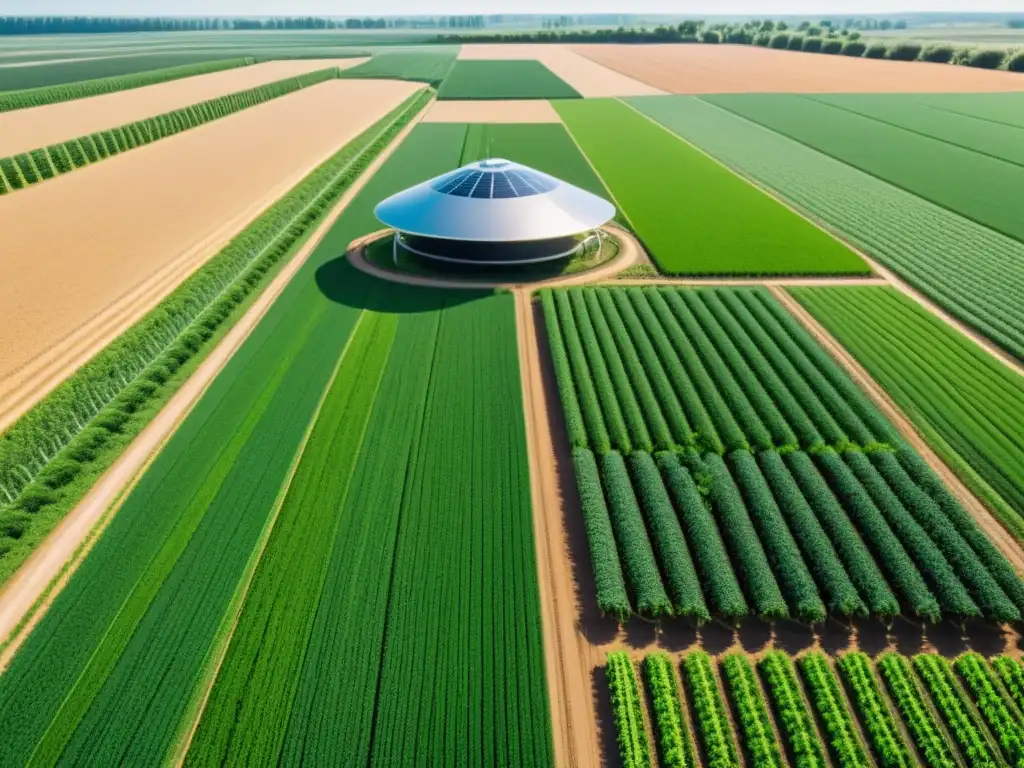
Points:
point(804, 26)
point(939, 54)
point(762, 39)
point(832, 46)
point(812, 45)
point(855, 48)
point(901, 24)
point(779, 41)
point(711, 36)
point(876, 51)
point(905, 51)
point(986, 58)
point(796, 43)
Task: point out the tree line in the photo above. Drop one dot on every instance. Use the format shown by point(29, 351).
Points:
point(56, 25)
point(823, 37)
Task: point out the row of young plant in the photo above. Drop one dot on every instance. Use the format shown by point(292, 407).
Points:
point(46, 162)
point(716, 369)
point(862, 712)
point(820, 504)
point(51, 455)
point(807, 536)
point(53, 94)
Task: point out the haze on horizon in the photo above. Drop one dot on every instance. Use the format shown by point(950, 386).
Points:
point(700, 8)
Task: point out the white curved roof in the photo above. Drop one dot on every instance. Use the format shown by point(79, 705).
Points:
point(494, 201)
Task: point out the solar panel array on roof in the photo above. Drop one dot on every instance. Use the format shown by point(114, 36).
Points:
point(493, 184)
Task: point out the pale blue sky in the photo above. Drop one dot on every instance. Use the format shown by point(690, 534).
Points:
point(422, 7)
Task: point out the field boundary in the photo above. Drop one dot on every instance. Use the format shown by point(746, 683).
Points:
point(27, 610)
point(885, 272)
point(860, 376)
point(229, 623)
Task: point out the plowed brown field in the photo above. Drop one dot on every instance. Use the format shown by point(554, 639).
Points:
point(697, 69)
point(26, 129)
point(92, 251)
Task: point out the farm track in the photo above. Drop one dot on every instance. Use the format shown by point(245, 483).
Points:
point(1006, 543)
point(27, 596)
point(42, 348)
point(26, 129)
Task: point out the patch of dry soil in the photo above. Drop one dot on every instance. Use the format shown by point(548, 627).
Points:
point(29, 593)
point(26, 129)
point(524, 111)
point(697, 69)
point(89, 253)
point(591, 78)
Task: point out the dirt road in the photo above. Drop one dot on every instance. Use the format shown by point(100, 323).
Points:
point(697, 69)
point(1006, 543)
point(25, 598)
point(26, 129)
point(89, 253)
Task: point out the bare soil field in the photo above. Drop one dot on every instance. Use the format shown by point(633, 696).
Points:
point(90, 252)
point(697, 69)
point(592, 79)
point(27, 596)
point(27, 129)
point(533, 111)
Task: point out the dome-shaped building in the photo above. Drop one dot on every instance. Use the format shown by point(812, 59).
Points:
point(494, 212)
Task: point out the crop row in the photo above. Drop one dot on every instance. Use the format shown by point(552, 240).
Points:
point(714, 369)
point(386, 641)
point(653, 176)
point(422, 66)
point(51, 455)
point(46, 162)
point(971, 271)
point(968, 405)
point(52, 94)
point(816, 507)
point(806, 535)
point(770, 709)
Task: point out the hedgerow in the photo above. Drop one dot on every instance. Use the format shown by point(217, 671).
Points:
point(35, 165)
point(52, 94)
point(711, 558)
point(627, 711)
point(581, 376)
point(667, 538)
point(604, 555)
point(610, 379)
point(93, 413)
point(788, 564)
point(563, 374)
point(640, 567)
point(818, 552)
point(887, 549)
point(747, 551)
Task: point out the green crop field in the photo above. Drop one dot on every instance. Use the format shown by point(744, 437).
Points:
point(694, 216)
point(388, 598)
point(974, 273)
point(893, 711)
point(981, 187)
point(969, 405)
point(786, 478)
point(504, 80)
point(428, 66)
